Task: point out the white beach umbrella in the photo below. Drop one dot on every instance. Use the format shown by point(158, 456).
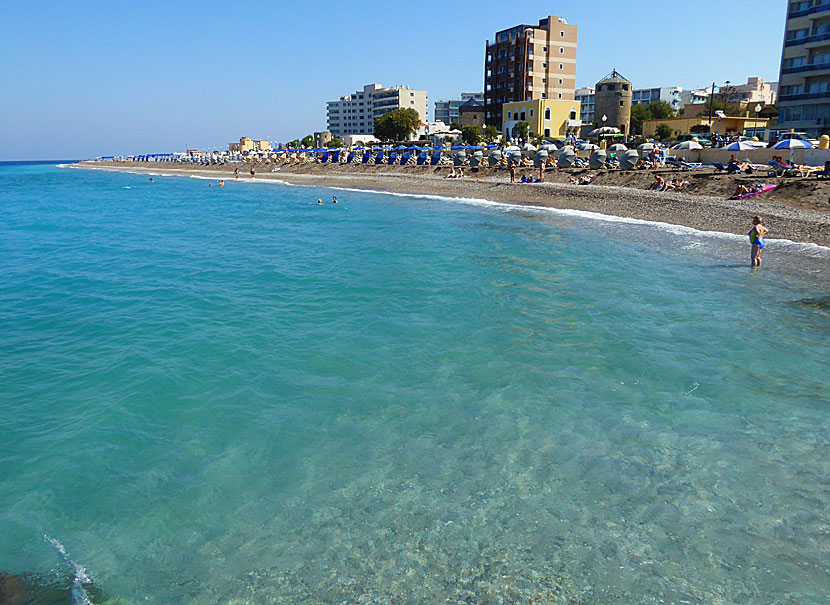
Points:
point(618, 147)
point(645, 146)
point(606, 130)
point(792, 144)
point(740, 146)
point(688, 145)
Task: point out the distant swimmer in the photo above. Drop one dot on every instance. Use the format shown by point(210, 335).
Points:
point(319, 202)
point(210, 184)
point(150, 180)
point(334, 199)
point(221, 183)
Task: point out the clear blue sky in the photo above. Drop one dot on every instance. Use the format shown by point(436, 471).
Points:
point(96, 78)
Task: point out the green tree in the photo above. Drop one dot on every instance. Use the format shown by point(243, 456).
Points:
point(491, 133)
point(663, 132)
point(729, 109)
point(638, 114)
point(335, 142)
point(307, 141)
point(397, 125)
point(698, 128)
point(660, 110)
point(293, 144)
point(471, 135)
point(521, 129)
point(455, 125)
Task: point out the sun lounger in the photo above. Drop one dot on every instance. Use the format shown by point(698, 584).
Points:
point(379, 158)
point(350, 157)
point(719, 167)
point(367, 155)
point(422, 158)
point(335, 157)
point(325, 158)
point(405, 158)
point(436, 157)
point(393, 157)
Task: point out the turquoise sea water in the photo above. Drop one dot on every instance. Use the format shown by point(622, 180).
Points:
point(234, 395)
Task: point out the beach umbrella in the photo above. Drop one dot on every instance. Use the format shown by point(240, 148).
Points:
point(645, 147)
point(792, 144)
point(400, 148)
point(540, 158)
point(597, 159)
point(456, 147)
point(605, 130)
point(494, 157)
point(566, 157)
point(740, 146)
point(688, 145)
point(628, 159)
point(617, 147)
point(491, 146)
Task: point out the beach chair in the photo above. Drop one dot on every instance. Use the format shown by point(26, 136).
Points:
point(422, 158)
point(325, 158)
point(335, 157)
point(405, 158)
point(393, 157)
point(436, 157)
point(350, 157)
point(367, 155)
point(379, 158)
point(719, 167)
point(820, 174)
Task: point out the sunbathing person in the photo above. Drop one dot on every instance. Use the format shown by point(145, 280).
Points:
point(658, 183)
point(451, 175)
point(742, 190)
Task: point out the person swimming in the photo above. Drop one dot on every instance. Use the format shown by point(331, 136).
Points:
point(222, 183)
point(150, 180)
point(756, 240)
point(319, 202)
point(334, 199)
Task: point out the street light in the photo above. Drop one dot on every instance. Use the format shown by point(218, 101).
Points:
point(758, 109)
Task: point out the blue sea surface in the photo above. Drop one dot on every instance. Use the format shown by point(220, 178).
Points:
point(235, 395)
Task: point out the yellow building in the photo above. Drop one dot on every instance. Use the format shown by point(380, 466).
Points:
point(247, 145)
point(546, 117)
point(723, 125)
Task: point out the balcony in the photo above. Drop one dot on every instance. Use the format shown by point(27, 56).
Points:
point(819, 8)
point(805, 96)
point(807, 40)
point(802, 68)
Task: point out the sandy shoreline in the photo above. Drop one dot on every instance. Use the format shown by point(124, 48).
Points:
point(800, 212)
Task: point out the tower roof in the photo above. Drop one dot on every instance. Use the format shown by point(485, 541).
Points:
point(615, 75)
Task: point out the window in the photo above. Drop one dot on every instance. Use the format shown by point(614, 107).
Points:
point(531, 113)
point(544, 95)
point(547, 113)
point(561, 51)
point(544, 65)
point(561, 34)
point(561, 67)
point(573, 114)
point(547, 132)
point(625, 86)
point(411, 94)
point(508, 115)
point(560, 95)
point(544, 80)
point(544, 49)
point(621, 103)
point(560, 80)
point(522, 116)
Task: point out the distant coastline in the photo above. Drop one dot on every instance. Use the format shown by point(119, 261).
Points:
point(799, 219)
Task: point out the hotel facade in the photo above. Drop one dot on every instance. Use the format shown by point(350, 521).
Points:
point(804, 81)
point(355, 114)
point(528, 62)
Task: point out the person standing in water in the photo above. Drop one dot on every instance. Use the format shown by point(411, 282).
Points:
point(236, 173)
point(756, 240)
point(334, 199)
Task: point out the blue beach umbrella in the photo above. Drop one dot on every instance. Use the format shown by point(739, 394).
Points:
point(740, 146)
point(792, 144)
point(454, 147)
point(491, 146)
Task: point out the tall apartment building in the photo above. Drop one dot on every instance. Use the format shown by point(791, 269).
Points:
point(446, 111)
point(355, 114)
point(667, 94)
point(587, 103)
point(529, 62)
point(804, 82)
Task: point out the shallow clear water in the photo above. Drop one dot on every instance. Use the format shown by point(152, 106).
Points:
point(235, 395)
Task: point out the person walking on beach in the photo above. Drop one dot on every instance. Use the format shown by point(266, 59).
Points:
point(512, 172)
point(236, 173)
point(542, 172)
point(253, 174)
point(756, 240)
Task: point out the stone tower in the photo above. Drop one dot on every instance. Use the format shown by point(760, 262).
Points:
point(613, 100)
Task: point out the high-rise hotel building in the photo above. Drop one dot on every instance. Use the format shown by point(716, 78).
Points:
point(529, 62)
point(355, 114)
point(804, 82)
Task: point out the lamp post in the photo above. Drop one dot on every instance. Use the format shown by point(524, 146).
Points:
point(758, 109)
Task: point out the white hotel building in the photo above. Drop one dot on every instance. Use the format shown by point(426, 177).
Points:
point(355, 114)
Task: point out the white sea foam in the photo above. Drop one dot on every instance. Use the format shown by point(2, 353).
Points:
point(810, 249)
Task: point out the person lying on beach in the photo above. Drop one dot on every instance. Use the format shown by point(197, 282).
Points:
point(658, 183)
point(451, 175)
point(742, 190)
